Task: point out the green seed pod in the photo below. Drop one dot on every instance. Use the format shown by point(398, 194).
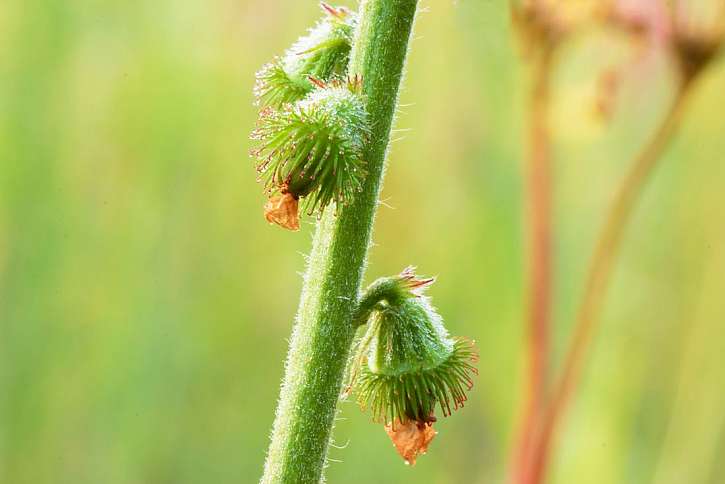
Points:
point(323, 54)
point(409, 364)
point(313, 149)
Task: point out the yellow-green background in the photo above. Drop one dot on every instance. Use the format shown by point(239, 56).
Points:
point(145, 304)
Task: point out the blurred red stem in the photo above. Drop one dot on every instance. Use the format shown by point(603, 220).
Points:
point(600, 272)
point(538, 221)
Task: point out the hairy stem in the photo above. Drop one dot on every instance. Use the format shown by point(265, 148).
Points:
point(539, 226)
point(323, 331)
point(599, 276)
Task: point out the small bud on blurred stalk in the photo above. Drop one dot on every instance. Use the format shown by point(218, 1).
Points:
point(698, 32)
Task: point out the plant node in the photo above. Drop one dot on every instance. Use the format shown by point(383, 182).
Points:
point(694, 51)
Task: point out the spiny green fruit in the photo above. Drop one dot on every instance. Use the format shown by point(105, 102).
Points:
point(323, 54)
point(409, 365)
point(312, 150)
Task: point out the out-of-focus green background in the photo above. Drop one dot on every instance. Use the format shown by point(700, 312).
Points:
point(145, 304)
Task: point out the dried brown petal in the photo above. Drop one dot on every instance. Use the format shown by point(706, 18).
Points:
point(283, 210)
point(411, 438)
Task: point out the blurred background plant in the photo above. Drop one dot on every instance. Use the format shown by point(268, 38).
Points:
point(144, 301)
point(543, 27)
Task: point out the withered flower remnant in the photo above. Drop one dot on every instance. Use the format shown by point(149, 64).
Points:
point(411, 438)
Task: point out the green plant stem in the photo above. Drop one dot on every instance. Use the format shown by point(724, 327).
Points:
point(323, 331)
point(599, 276)
point(539, 227)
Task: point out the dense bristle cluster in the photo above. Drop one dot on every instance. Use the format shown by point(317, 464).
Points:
point(313, 148)
point(323, 53)
point(415, 395)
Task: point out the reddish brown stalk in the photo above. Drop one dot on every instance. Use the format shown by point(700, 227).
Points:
point(600, 273)
point(539, 223)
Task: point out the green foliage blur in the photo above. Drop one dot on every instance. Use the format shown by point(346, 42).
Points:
point(145, 304)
